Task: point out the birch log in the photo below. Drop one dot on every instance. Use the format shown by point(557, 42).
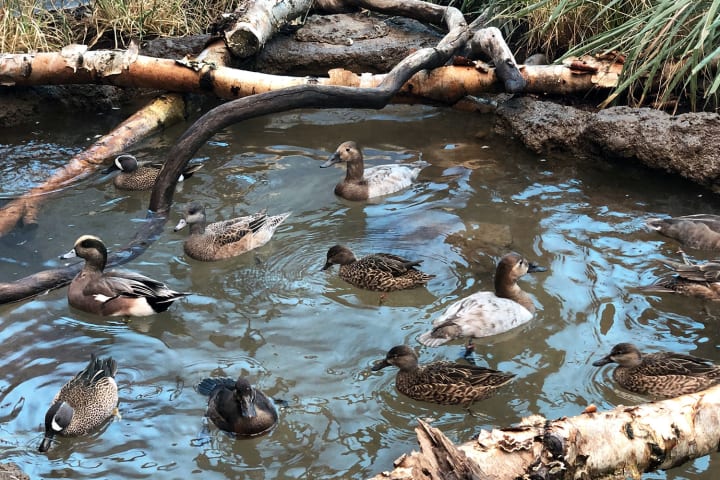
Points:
point(617, 444)
point(254, 22)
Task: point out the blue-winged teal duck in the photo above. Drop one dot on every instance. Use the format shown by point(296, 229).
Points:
point(361, 183)
point(382, 272)
point(695, 280)
point(236, 407)
point(221, 240)
point(446, 383)
point(662, 374)
point(488, 313)
point(141, 176)
point(693, 231)
point(114, 292)
point(84, 403)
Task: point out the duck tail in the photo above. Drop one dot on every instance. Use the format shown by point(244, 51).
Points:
point(429, 340)
point(190, 169)
point(208, 385)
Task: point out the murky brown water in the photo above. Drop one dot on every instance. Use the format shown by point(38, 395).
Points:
point(308, 338)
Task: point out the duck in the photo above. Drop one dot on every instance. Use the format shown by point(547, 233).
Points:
point(701, 280)
point(381, 272)
point(84, 403)
point(700, 231)
point(362, 183)
point(235, 406)
point(226, 239)
point(488, 313)
point(444, 383)
point(141, 176)
point(661, 374)
point(114, 292)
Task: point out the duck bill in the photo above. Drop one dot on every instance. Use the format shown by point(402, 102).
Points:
point(603, 361)
point(379, 365)
point(70, 254)
point(181, 224)
point(534, 268)
point(335, 158)
point(45, 443)
point(247, 407)
point(327, 265)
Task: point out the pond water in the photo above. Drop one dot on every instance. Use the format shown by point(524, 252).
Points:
point(303, 335)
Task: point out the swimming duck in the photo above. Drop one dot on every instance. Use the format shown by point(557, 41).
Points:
point(141, 176)
point(446, 383)
point(695, 280)
point(236, 407)
point(115, 292)
point(699, 231)
point(221, 240)
point(84, 403)
point(488, 313)
point(662, 374)
point(382, 272)
point(361, 183)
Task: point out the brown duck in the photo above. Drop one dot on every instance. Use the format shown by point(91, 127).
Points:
point(446, 383)
point(662, 374)
point(701, 231)
point(382, 272)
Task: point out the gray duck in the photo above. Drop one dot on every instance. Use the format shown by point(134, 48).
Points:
point(135, 175)
point(226, 239)
point(362, 183)
point(237, 407)
point(84, 403)
point(446, 383)
point(113, 292)
point(382, 272)
point(700, 231)
point(662, 374)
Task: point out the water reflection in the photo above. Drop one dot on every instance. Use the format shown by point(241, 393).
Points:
point(308, 338)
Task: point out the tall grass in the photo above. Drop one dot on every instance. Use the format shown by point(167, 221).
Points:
point(672, 46)
point(46, 25)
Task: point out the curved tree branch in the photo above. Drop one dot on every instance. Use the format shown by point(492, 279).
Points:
point(304, 96)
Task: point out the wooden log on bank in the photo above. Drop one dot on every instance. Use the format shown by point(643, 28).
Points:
point(254, 22)
point(617, 444)
point(162, 111)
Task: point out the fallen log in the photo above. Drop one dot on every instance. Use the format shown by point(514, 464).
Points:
point(157, 114)
point(255, 21)
point(617, 444)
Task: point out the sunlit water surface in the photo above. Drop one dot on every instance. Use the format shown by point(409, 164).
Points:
point(307, 338)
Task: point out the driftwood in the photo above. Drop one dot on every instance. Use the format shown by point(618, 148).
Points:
point(255, 21)
point(490, 41)
point(305, 96)
point(160, 112)
point(617, 444)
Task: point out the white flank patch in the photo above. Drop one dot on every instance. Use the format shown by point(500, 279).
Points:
point(101, 298)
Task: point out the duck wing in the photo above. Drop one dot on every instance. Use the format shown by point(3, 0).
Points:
point(670, 363)
point(449, 373)
point(233, 230)
point(114, 283)
point(701, 272)
point(392, 264)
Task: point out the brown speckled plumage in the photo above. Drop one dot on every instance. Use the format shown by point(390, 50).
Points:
point(141, 176)
point(382, 272)
point(446, 383)
point(662, 374)
point(83, 403)
point(226, 239)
